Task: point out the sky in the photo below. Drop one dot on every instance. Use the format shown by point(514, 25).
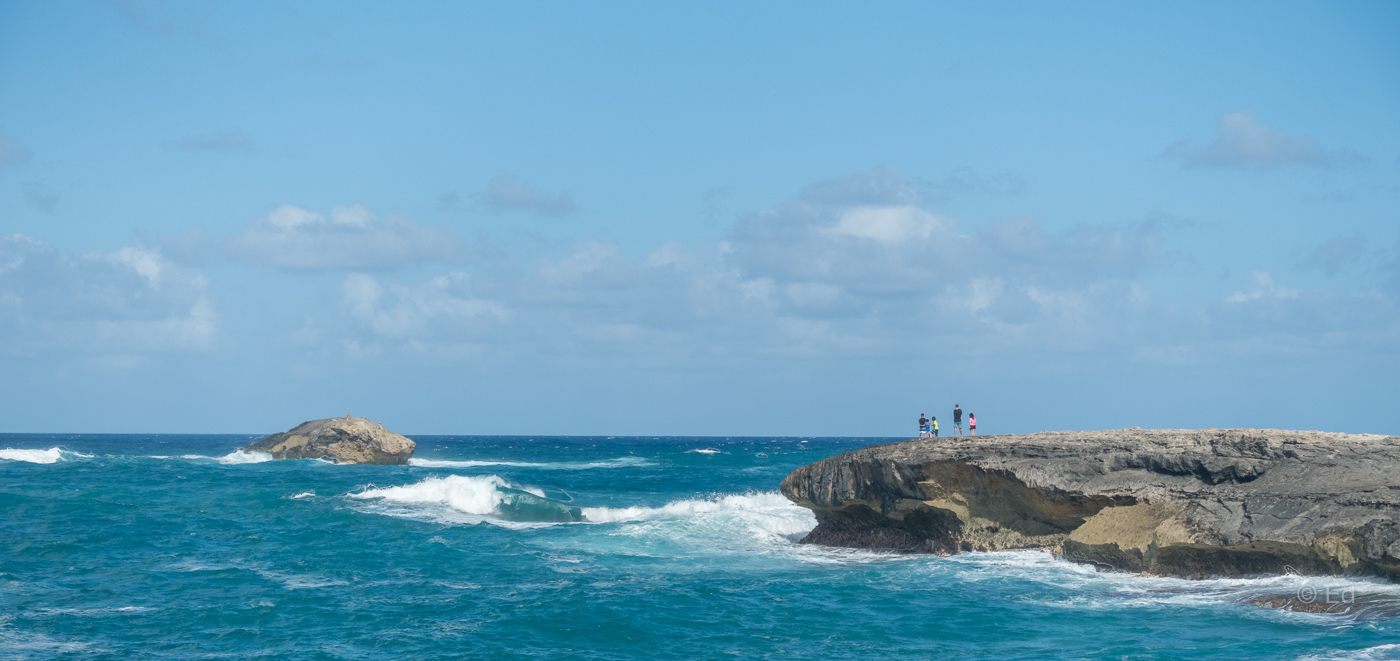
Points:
point(720, 218)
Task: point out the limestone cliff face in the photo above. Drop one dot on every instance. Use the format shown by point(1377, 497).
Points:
point(1174, 502)
point(342, 440)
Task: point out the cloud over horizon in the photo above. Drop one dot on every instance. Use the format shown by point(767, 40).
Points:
point(350, 238)
point(128, 301)
point(851, 267)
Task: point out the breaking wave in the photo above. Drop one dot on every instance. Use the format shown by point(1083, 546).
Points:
point(470, 499)
point(232, 458)
point(493, 499)
point(49, 456)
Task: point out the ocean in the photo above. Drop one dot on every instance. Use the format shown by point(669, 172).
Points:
point(179, 547)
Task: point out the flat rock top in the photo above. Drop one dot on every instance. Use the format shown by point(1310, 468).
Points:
point(357, 427)
point(1260, 461)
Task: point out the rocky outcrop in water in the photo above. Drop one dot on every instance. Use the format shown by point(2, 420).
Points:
point(1194, 503)
point(342, 440)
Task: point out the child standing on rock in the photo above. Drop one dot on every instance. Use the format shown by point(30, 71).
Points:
point(972, 423)
point(933, 426)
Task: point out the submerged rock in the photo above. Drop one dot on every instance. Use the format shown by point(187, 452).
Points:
point(342, 440)
point(1195, 503)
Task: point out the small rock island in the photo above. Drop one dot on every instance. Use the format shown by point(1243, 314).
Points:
point(342, 440)
point(1193, 503)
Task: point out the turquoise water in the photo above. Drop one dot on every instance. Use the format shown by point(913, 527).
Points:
point(123, 546)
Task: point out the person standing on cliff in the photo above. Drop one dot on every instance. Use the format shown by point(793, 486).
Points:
point(933, 426)
point(972, 423)
point(923, 426)
point(957, 420)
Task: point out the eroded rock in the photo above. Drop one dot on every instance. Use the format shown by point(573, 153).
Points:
point(342, 440)
point(1192, 503)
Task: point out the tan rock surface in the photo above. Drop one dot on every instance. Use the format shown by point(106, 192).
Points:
point(342, 440)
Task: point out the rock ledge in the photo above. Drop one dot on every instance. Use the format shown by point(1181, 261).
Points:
point(1222, 502)
point(342, 440)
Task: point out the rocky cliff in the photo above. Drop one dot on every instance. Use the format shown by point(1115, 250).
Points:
point(342, 440)
point(1226, 502)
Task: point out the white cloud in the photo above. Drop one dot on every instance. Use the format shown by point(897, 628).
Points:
point(1263, 286)
point(508, 193)
point(851, 268)
point(351, 238)
point(1241, 141)
point(888, 225)
point(418, 313)
point(129, 301)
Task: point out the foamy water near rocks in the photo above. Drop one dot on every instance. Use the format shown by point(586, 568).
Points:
point(342, 440)
point(1195, 503)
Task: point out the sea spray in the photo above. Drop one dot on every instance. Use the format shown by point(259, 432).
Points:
point(49, 456)
point(486, 496)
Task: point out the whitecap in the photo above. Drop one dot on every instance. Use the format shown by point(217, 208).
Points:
point(49, 456)
point(469, 499)
point(703, 451)
point(768, 511)
point(241, 457)
point(304, 494)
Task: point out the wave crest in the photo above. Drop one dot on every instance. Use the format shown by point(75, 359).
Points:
point(241, 457)
point(49, 456)
point(478, 497)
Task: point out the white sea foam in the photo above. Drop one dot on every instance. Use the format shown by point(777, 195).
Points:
point(703, 451)
point(1391, 651)
point(49, 456)
point(468, 499)
point(770, 511)
point(475, 494)
point(1089, 589)
point(241, 457)
point(304, 494)
point(620, 462)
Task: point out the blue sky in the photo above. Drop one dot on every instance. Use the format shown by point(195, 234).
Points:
point(714, 218)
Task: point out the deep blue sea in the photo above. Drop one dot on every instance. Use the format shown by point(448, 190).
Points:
point(177, 547)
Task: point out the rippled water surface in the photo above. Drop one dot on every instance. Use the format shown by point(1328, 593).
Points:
point(120, 546)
